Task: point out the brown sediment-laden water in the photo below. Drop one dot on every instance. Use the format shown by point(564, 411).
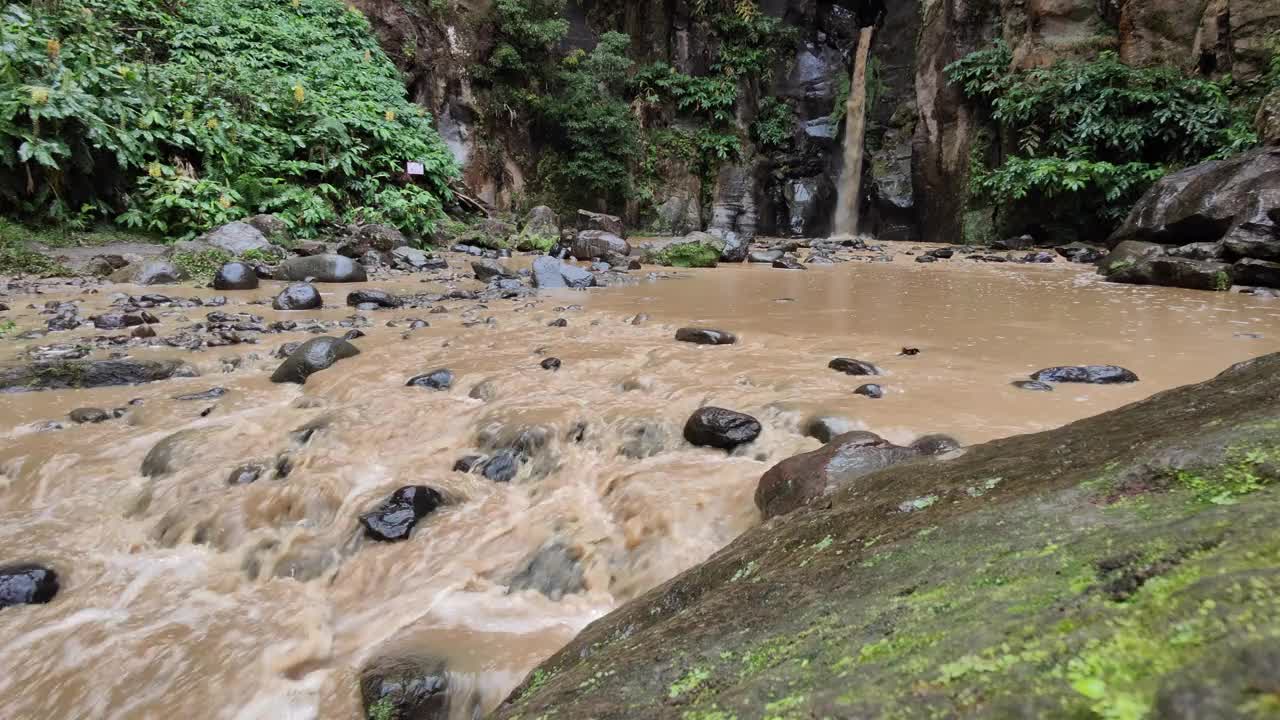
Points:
point(184, 595)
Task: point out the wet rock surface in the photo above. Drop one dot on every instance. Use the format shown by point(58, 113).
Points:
point(720, 428)
point(705, 336)
point(44, 375)
point(27, 584)
point(299, 296)
point(850, 366)
point(902, 549)
point(405, 687)
point(1091, 374)
point(550, 273)
point(235, 276)
point(312, 357)
point(395, 518)
point(441, 379)
point(554, 570)
point(321, 268)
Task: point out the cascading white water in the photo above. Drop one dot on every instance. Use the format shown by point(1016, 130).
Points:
point(846, 221)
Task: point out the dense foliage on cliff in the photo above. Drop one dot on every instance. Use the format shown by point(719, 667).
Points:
point(174, 117)
point(598, 120)
point(1088, 138)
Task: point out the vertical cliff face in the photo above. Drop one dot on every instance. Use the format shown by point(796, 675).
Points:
point(922, 136)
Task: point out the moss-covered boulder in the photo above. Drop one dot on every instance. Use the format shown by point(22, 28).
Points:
point(695, 250)
point(1124, 566)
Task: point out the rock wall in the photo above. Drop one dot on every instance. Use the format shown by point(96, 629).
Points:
point(921, 136)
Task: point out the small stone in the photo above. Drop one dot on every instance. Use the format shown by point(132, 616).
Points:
point(910, 352)
point(467, 463)
point(27, 584)
point(211, 394)
point(89, 415)
point(705, 336)
point(376, 298)
point(551, 363)
point(395, 518)
point(720, 428)
point(502, 467)
point(849, 366)
point(561, 322)
point(1033, 385)
point(873, 391)
point(441, 379)
point(245, 474)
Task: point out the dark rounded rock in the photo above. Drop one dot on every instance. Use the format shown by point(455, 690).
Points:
point(486, 270)
point(720, 428)
point(560, 322)
point(376, 298)
point(245, 474)
point(353, 334)
point(1033, 385)
point(786, 263)
point(299, 296)
point(926, 259)
point(441, 379)
point(311, 357)
point(27, 584)
point(551, 364)
point(849, 366)
point(801, 479)
point(705, 336)
point(936, 444)
point(1092, 374)
point(871, 390)
point(909, 352)
point(502, 467)
point(394, 519)
point(826, 428)
point(89, 415)
point(236, 276)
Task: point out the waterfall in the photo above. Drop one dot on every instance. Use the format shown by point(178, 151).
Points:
point(855, 118)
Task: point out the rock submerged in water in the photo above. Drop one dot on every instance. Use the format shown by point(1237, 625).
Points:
point(799, 480)
point(27, 584)
point(321, 268)
point(555, 570)
point(63, 374)
point(235, 276)
point(1033, 385)
point(379, 298)
point(870, 390)
point(705, 336)
point(395, 518)
point(720, 428)
point(849, 366)
point(441, 379)
point(825, 428)
point(411, 687)
point(1091, 374)
point(299, 296)
point(311, 357)
point(88, 415)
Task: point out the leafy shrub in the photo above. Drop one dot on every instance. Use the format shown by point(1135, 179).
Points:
point(1091, 137)
point(180, 116)
point(201, 266)
point(775, 124)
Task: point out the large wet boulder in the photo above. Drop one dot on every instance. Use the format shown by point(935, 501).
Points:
point(1257, 272)
point(799, 480)
point(59, 374)
point(272, 227)
point(380, 298)
point(1127, 255)
point(592, 244)
point(695, 250)
point(235, 276)
point(411, 686)
point(1083, 571)
point(311, 357)
point(734, 246)
point(395, 518)
point(587, 220)
point(1175, 272)
point(298, 296)
point(173, 453)
point(550, 273)
point(720, 428)
point(486, 270)
point(238, 238)
point(1089, 374)
point(1079, 252)
point(149, 272)
point(322, 268)
point(27, 584)
point(541, 230)
point(1236, 201)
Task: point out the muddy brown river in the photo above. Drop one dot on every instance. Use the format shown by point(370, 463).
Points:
point(185, 597)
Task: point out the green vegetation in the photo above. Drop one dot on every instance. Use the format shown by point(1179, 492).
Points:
point(1088, 138)
point(201, 266)
point(173, 119)
point(603, 129)
point(384, 709)
point(687, 255)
